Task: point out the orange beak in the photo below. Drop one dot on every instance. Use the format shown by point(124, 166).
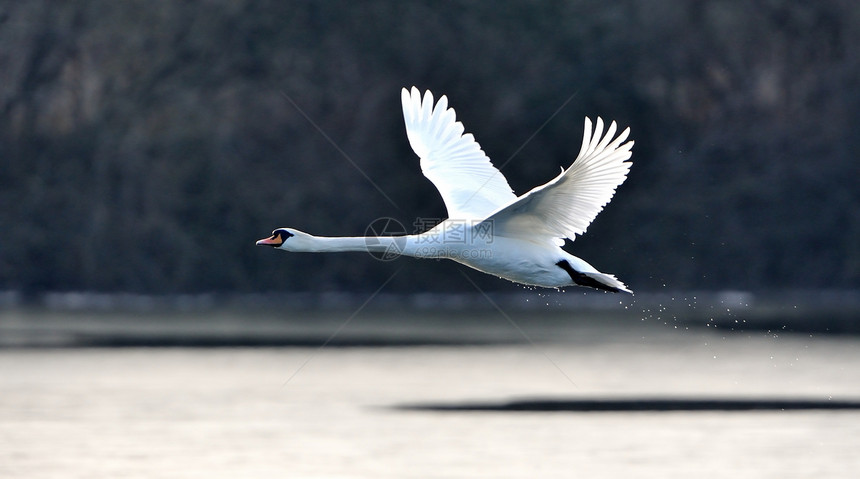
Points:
point(274, 240)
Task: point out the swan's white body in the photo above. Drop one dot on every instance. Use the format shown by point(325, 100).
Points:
point(489, 228)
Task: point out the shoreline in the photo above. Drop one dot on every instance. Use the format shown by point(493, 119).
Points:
point(308, 320)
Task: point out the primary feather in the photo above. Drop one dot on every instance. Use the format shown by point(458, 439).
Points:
point(470, 185)
point(564, 207)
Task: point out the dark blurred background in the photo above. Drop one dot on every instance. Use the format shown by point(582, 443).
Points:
point(145, 145)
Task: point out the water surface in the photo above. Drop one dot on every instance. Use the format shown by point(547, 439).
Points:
point(339, 412)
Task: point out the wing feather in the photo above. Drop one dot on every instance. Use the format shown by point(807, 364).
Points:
point(564, 207)
point(470, 185)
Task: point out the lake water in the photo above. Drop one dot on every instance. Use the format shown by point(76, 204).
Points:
point(344, 412)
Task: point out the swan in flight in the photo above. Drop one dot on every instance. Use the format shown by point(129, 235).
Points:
point(488, 227)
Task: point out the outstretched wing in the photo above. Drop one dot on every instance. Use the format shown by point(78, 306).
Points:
point(565, 206)
point(470, 185)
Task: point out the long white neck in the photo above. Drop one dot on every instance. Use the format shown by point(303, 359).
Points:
point(370, 244)
point(431, 244)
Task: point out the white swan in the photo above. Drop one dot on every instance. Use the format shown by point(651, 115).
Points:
point(488, 227)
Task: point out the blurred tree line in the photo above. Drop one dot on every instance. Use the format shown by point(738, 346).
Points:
point(145, 145)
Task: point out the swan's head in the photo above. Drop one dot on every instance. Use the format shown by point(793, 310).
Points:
point(288, 239)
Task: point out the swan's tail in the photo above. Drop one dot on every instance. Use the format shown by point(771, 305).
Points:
point(583, 274)
point(605, 282)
